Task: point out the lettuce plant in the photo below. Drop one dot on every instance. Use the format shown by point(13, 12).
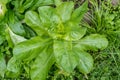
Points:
point(59, 39)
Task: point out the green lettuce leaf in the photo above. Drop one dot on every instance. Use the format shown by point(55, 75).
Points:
point(42, 64)
point(65, 10)
point(93, 42)
point(85, 62)
point(33, 21)
point(28, 50)
point(65, 55)
point(13, 38)
point(13, 68)
point(74, 31)
point(57, 2)
point(48, 16)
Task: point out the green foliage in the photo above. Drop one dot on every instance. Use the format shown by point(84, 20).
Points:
point(3, 9)
point(41, 65)
point(104, 19)
point(37, 34)
point(2, 65)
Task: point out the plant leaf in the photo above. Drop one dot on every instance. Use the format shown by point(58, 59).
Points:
point(65, 10)
point(65, 55)
point(45, 13)
point(13, 38)
point(24, 5)
point(2, 65)
point(48, 16)
point(42, 64)
point(38, 3)
point(29, 49)
point(13, 68)
point(85, 62)
point(2, 39)
point(14, 24)
point(17, 28)
point(32, 19)
point(29, 32)
point(57, 2)
point(93, 42)
point(74, 31)
point(4, 2)
point(78, 14)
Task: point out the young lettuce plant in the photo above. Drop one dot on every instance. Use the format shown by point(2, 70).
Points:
point(60, 39)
